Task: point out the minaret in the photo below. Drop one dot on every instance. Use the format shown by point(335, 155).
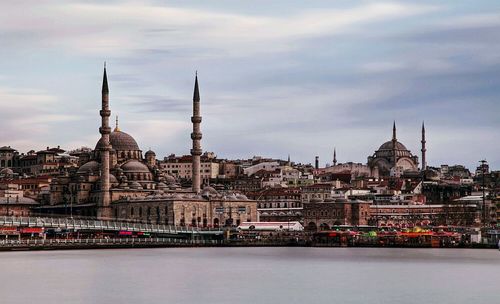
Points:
point(394, 145)
point(334, 156)
point(196, 137)
point(424, 164)
point(316, 162)
point(104, 208)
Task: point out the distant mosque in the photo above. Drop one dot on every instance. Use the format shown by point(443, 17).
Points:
point(393, 158)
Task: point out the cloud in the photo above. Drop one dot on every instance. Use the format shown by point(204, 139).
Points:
point(274, 79)
point(119, 29)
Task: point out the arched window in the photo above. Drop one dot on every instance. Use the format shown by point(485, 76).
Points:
point(140, 211)
point(132, 211)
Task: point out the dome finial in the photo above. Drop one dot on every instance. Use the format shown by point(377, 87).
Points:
point(116, 125)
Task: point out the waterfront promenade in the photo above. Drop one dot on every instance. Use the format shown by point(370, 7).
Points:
point(45, 233)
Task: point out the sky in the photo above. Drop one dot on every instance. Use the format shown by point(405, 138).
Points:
point(277, 78)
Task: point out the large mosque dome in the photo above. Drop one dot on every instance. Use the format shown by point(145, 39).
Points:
point(386, 150)
point(120, 141)
point(388, 146)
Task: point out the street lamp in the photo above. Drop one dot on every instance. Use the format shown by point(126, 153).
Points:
point(483, 167)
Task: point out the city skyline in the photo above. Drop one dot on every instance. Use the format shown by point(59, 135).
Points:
point(299, 83)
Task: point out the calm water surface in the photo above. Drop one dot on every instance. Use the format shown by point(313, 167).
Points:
point(251, 275)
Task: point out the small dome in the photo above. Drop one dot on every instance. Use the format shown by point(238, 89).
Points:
point(149, 152)
point(89, 167)
point(112, 179)
point(135, 185)
point(120, 141)
point(169, 179)
point(135, 166)
point(161, 186)
point(6, 171)
point(209, 190)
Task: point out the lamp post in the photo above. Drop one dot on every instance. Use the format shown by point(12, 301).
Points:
point(483, 162)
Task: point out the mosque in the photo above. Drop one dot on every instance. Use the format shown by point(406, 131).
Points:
point(116, 180)
point(394, 159)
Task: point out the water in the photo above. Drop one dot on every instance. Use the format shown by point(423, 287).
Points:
point(251, 275)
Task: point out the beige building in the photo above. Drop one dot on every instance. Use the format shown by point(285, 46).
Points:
point(181, 167)
point(210, 209)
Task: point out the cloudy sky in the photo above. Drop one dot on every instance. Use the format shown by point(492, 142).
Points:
point(276, 77)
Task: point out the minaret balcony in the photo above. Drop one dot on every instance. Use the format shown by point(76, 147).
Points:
point(196, 119)
point(105, 113)
point(196, 152)
point(104, 130)
point(196, 136)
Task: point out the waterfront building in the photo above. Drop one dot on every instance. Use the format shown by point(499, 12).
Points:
point(13, 202)
point(278, 204)
point(408, 214)
point(324, 214)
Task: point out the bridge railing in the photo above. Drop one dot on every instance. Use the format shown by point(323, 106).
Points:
point(71, 223)
point(105, 241)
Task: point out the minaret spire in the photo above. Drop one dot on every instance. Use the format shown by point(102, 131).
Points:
point(424, 163)
point(105, 89)
point(334, 156)
point(104, 209)
point(394, 145)
point(196, 137)
point(394, 131)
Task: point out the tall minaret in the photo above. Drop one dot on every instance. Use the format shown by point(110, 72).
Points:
point(424, 163)
point(196, 137)
point(394, 145)
point(334, 156)
point(104, 208)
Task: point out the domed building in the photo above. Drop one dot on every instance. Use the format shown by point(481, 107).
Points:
point(392, 158)
point(115, 181)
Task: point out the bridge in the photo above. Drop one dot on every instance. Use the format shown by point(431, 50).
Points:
point(105, 225)
point(93, 243)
